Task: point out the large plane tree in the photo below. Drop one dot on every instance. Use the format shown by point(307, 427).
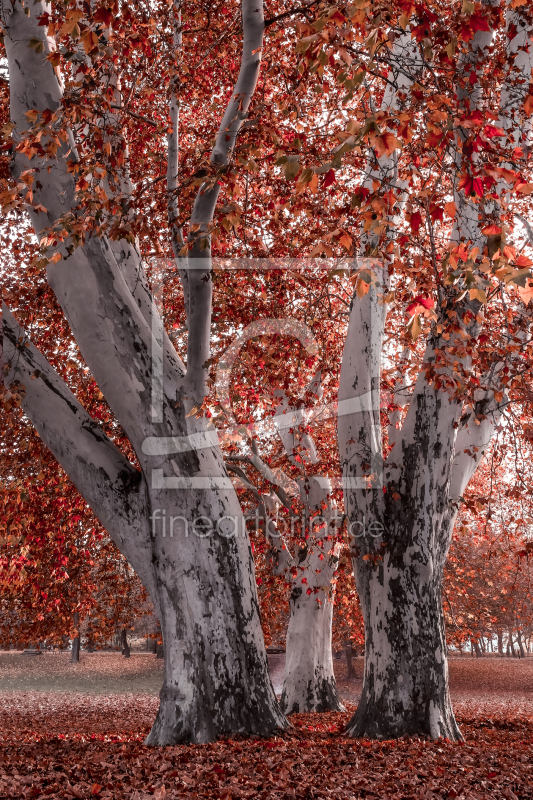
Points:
point(386, 132)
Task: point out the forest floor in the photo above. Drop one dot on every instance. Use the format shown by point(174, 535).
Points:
point(77, 731)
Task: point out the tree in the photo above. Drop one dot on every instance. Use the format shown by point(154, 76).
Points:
point(488, 573)
point(220, 637)
point(373, 167)
point(59, 571)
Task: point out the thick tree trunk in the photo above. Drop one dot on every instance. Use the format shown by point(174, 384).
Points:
point(476, 648)
point(405, 684)
point(216, 679)
point(309, 683)
point(520, 645)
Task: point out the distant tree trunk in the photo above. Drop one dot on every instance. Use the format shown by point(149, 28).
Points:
point(76, 640)
point(520, 645)
point(510, 645)
point(159, 650)
point(151, 645)
point(477, 649)
point(126, 650)
point(349, 662)
point(500, 643)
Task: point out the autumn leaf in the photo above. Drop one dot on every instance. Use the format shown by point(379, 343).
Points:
point(473, 187)
point(450, 209)
point(492, 230)
point(415, 221)
point(524, 188)
point(329, 178)
point(421, 305)
point(346, 241)
point(384, 143)
point(414, 327)
point(37, 45)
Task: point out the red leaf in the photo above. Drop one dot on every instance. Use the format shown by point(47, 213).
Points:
point(491, 131)
point(416, 221)
point(330, 178)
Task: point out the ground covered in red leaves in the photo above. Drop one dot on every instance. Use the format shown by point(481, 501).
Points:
point(76, 744)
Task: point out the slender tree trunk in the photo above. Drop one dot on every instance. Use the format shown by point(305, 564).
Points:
point(76, 641)
point(126, 650)
point(348, 654)
point(520, 645)
point(511, 644)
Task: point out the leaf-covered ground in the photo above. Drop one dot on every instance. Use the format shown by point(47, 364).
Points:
point(76, 744)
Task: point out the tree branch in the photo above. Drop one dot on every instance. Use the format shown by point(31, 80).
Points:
point(200, 284)
point(112, 487)
point(301, 10)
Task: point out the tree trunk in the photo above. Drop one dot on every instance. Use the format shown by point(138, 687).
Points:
point(476, 648)
point(405, 684)
point(511, 644)
point(520, 645)
point(126, 650)
point(216, 679)
point(349, 663)
point(309, 683)
point(76, 641)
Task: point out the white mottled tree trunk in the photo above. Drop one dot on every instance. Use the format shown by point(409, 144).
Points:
point(216, 679)
point(309, 683)
point(405, 684)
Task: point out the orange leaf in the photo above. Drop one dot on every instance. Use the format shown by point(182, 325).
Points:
point(492, 230)
point(451, 209)
point(346, 241)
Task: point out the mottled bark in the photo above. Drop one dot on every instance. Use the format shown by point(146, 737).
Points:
point(216, 679)
point(405, 685)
